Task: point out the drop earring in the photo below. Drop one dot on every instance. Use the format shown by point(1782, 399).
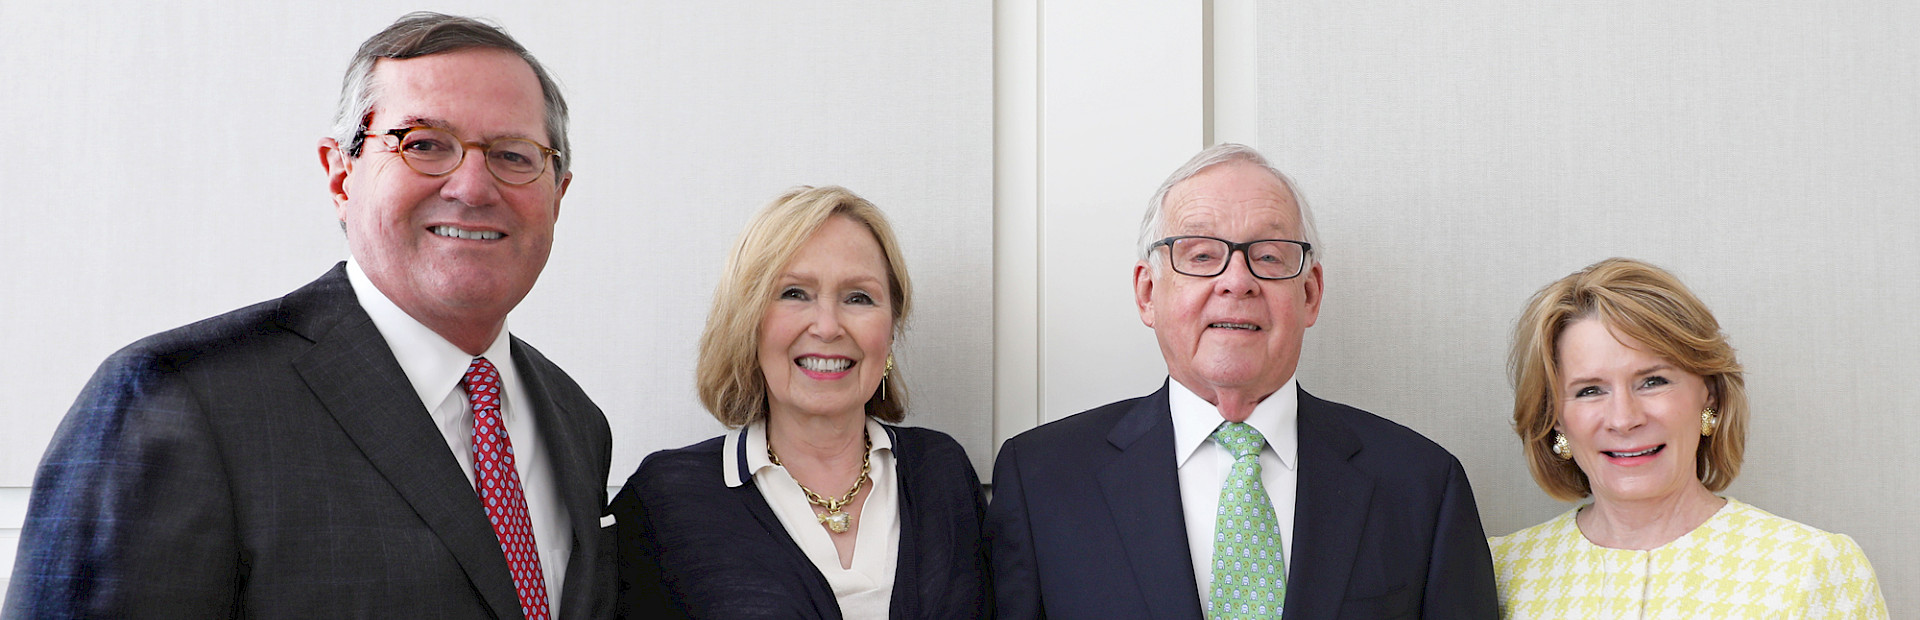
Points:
point(883, 376)
point(1560, 448)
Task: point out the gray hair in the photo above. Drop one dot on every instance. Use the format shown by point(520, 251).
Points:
point(425, 33)
point(1154, 224)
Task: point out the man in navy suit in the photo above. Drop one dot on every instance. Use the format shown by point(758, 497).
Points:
point(1119, 512)
point(374, 444)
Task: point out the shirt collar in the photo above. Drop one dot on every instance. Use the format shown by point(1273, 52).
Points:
point(745, 452)
point(1194, 420)
point(433, 365)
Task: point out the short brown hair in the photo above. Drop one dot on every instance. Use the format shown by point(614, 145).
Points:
point(1649, 305)
point(730, 382)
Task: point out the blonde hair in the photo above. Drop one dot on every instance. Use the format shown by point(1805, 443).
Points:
point(731, 384)
point(1649, 305)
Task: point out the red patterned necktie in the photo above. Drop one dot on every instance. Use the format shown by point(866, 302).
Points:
point(499, 486)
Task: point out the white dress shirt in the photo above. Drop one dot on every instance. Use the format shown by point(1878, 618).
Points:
point(1204, 466)
point(437, 369)
point(866, 589)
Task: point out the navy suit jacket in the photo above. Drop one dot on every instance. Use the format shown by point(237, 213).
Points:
point(1086, 521)
point(692, 547)
point(275, 462)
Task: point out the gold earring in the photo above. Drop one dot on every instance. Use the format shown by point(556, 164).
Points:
point(883, 377)
point(1560, 448)
point(1708, 422)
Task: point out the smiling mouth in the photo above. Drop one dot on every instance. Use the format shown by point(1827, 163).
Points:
point(1243, 326)
point(1627, 455)
point(821, 364)
point(461, 233)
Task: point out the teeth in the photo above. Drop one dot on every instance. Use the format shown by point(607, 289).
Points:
point(449, 231)
point(1634, 454)
point(1246, 326)
point(821, 364)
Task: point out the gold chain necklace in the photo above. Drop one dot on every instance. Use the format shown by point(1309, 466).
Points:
point(836, 520)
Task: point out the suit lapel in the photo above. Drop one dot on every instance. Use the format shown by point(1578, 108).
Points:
point(355, 376)
point(1142, 489)
point(1329, 510)
point(582, 490)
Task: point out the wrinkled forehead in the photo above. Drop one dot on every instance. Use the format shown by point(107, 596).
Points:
point(1235, 198)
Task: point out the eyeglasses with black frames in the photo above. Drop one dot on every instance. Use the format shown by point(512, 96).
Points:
point(436, 152)
point(1206, 257)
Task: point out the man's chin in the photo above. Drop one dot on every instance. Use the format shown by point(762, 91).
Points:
point(1236, 379)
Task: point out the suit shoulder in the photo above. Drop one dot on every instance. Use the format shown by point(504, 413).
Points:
point(935, 445)
point(202, 340)
point(931, 458)
point(166, 363)
point(1383, 434)
point(696, 466)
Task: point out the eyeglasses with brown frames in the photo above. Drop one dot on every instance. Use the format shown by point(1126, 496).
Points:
point(436, 152)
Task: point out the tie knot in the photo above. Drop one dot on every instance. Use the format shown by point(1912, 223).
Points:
point(483, 382)
point(1240, 439)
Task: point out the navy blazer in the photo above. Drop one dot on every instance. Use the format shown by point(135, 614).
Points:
point(275, 462)
point(1086, 521)
point(689, 546)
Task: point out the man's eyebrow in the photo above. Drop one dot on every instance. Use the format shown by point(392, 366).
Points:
point(424, 121)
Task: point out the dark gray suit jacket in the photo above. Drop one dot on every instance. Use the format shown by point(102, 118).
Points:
point(275, 462)
point(1086, 521)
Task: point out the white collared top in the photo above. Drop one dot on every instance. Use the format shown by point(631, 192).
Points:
point(866, 589)
point(436, 369)
point(1204, 466)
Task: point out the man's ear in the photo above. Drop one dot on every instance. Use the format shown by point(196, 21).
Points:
point(1314, 289)
point(334, 160)
point(565, 182)
point(1143, 291)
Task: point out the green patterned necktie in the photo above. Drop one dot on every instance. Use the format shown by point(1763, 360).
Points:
point(1249, 572)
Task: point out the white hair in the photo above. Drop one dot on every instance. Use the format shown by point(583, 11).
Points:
point(1153, 226)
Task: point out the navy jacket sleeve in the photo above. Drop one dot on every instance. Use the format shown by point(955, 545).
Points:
point(641, 593)
point(1016, 580)
point(1460, 581)
point(130, 513)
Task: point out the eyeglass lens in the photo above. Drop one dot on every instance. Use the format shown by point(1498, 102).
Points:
point(434, 152)
point(1207, 257)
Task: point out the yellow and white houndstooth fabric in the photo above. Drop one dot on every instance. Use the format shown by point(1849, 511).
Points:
point(1742, 563)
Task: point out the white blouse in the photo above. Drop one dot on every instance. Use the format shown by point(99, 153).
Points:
point(866, 589)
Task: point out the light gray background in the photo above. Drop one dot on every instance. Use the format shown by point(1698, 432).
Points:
point(1460, 156)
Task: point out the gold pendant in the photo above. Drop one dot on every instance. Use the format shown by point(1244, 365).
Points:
point(835, 521)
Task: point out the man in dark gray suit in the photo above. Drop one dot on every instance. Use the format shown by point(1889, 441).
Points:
point(374, 444)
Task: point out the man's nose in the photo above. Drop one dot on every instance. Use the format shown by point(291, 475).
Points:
point(472, 183)
point(1238, 279)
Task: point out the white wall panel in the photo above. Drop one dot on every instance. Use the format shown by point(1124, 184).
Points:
point(1121, 106)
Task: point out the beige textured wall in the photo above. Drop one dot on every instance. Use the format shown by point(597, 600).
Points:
point(1462, 155)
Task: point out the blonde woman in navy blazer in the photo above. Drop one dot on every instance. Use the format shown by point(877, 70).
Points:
point(813, 504)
